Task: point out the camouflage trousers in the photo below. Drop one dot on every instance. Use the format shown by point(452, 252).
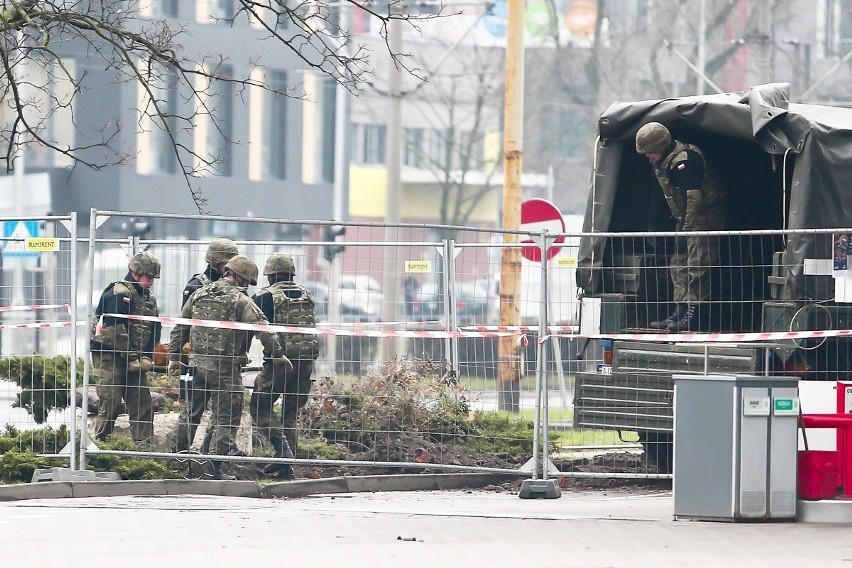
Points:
point(116, 383)
point(223, 389)
point(691, 270)
point(294, 386)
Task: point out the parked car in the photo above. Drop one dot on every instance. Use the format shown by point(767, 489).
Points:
point(471, 303)
point(360, 298)
point(360, 295)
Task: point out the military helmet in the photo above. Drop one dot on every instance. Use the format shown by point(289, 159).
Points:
point(220, 250)
point(653, 137)
point(144, 263)
point(244, 267)
point(279, 263)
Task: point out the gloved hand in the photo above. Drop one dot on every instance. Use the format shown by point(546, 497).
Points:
point(174, 369)
point(140, 365)
point(681, 245)
point(243, 360)
point(281, 365)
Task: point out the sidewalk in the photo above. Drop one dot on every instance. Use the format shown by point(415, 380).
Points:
point(475, 527)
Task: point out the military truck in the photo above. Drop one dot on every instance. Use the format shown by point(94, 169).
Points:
point(785, 166)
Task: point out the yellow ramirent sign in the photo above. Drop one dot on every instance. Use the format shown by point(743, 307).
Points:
point(42, 244)
point(418, 266)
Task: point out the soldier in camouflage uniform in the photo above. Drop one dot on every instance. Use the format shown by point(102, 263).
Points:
point(696, 200)
point(218, 356)
point(122, 349)
point(284, 302)
point(219, 252)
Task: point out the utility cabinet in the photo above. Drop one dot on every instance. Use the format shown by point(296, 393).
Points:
point(735, 445)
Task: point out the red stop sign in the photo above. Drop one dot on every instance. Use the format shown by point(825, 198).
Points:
point(536, 216)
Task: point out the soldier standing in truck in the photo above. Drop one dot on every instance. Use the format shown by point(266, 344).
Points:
point(696, 200)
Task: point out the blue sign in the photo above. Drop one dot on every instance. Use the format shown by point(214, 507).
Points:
point(15, 234)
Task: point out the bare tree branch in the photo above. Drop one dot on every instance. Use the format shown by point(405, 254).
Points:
point(135, 49)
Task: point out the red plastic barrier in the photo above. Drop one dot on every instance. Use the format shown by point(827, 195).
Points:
point(818, 474)
point(843, 423)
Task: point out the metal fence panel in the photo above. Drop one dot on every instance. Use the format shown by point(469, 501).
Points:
point(38, 374)
point(406, 371)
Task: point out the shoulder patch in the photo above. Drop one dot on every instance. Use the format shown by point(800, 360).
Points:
point(682, 155)
point(122, 288)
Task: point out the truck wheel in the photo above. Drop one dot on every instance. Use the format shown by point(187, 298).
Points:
point(659, 449)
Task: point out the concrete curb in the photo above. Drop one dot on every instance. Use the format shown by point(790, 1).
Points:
point(286, 489)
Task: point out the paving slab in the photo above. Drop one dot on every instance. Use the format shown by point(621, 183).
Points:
point(466, 528)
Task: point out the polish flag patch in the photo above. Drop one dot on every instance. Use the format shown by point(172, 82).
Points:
point(681, 166)
point(126, 300)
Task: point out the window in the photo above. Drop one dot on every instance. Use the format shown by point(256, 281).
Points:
point(268, 120)
point(159, 8)
point(834, 28)
point(317, 128)
point(373, 143)
point(165, 91)
point(51, 90)
point(438, 148)
point(274, 127)
point(470, 151)
point(211, 11)
point(158, 117)
point(412, 149)
point(270, 14)
point(220, 123)
point(329, 110)
point(222, 8)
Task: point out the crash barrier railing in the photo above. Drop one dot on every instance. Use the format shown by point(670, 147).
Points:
point(38, 346)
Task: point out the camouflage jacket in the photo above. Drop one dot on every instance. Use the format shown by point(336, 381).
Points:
point(211, 346)
point(287, 303)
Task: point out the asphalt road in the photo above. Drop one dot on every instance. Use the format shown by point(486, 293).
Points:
point(430, 528)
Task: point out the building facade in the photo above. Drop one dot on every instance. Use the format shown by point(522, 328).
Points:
point(274, 154)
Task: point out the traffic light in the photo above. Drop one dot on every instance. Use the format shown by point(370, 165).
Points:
point(331, 233)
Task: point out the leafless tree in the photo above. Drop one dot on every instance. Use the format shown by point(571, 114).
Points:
point(631, 54)
point(464, 104)
point(119, 37)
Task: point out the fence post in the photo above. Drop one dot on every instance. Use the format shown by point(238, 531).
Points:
point(452, 343)
point(72, 310)
point(535, 487)
point(87, 362)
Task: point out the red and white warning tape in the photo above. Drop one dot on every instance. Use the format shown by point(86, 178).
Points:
point(42, 325)
point(319, 330)
point(35, 307)
point(500, 331)
point(552, 328)
point(713, 337)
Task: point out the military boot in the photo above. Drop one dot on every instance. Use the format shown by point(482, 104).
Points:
point(282, 450)
point(672, 318)
point(687, 322)
point(213, 471)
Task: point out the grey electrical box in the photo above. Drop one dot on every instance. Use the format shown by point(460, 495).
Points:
point(735, 445)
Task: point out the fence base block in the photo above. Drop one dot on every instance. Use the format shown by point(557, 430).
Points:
point(540, 489)
point(66, 474)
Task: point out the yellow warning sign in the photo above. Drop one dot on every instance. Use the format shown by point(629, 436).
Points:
point(566, 262)
point(418, 266)
point(42, 244)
